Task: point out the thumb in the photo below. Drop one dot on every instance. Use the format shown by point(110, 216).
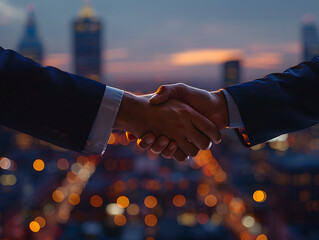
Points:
point(162, 95)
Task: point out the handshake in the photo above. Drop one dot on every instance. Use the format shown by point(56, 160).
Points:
point(177, 121)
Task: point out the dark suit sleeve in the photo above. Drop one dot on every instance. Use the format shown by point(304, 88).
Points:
point(279, 103)
point(47, 103)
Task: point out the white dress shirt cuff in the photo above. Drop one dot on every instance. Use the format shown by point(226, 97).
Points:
point(104, 121)
point(235, 120)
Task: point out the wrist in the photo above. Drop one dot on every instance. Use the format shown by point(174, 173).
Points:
point(222, 108)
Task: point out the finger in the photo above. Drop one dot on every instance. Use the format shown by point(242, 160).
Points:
point(169, 151)
point(130, 137)
point(179, 155)
point(165, 92)
point(146, 141)
point(206, 127)
point(199, 139)
point(160, 144)
point(187, 147)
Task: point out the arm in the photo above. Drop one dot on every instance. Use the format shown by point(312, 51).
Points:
point(47, 103)
point(279, 103)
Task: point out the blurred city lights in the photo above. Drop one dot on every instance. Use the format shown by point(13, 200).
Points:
point(63, 164)
point(187, 219)
point(216, 219)
point(262, 237)
point(179, 200)
point(133, 209)
point(5, 163)
point(203, 189)
point(123, 202)
point(150, 201)
point(150, 220)
point(8, 179)
point(248, 221)
point(210, 200)
point(113, 209)
point(96, 201)
point(58, 196)
point(34, 226)
point(202, 218)
point(38, 165)
point(120, 220)
point(259, 196)
point(41, 221)
point(74, 199)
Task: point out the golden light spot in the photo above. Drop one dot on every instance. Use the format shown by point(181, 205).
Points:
point(149, 238)
point(58, 196)
point(123, 202)
point(150, 220)
point(63, 164)
point(34, 226)
point(179, 200)
point(120, 220)
point(38, 165)
point(262, 237)
point(74, 199)
point(41, 221)
point(203, 189)
point(210, 200)
point(133, 209)
point(112, 139)
point(248, 221)
point(187, 219)
point(150, 202)
point(96, 201)
point(8, 179)
point(259, 196)
point(244, 235)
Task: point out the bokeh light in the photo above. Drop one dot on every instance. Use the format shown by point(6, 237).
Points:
point(179, 200)
point(38, 165)
point(150, 220)
point(259, 196)
point(41, 221)
point(113, 209)
point(58, 196)
point(120, 220)
point(248, 221)
point(210, 200)
point(34, 226)
point(150, 201)
point(262, 237)
point(74, 199)
point(133, 209)
point(123, 202)
point(203, 189)
point(63, 164)
point(96, 201)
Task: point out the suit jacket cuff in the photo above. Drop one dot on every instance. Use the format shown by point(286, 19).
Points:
point(104, 121)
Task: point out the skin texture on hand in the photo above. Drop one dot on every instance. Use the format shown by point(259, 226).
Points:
point(173, 119)
point(211, 104)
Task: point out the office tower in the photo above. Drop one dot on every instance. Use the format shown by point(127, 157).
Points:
point(231, 72)
point(30, 45)
point(310, 41)
point(87, 43)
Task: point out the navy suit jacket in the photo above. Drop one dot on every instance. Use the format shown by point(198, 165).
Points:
point(46, 102)
point(279, 103)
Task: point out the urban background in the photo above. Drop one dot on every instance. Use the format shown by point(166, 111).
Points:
point(229, 192)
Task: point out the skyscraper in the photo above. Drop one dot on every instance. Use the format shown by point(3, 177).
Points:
point(231, 72)
point(30, 45)
point(310, 41)
point(87, 43)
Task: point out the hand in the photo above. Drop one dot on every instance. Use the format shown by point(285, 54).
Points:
point(211, 104)
point(174, 119)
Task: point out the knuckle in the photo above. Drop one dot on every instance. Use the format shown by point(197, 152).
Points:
point(193, 152)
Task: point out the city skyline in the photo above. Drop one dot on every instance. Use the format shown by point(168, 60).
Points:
point(179, 40)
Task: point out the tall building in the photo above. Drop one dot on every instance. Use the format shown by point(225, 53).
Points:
point(231, 72)
point(310, 41)
point(87, 49)
point(30, 45)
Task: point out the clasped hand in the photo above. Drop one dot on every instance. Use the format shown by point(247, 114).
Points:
point(177, 121)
